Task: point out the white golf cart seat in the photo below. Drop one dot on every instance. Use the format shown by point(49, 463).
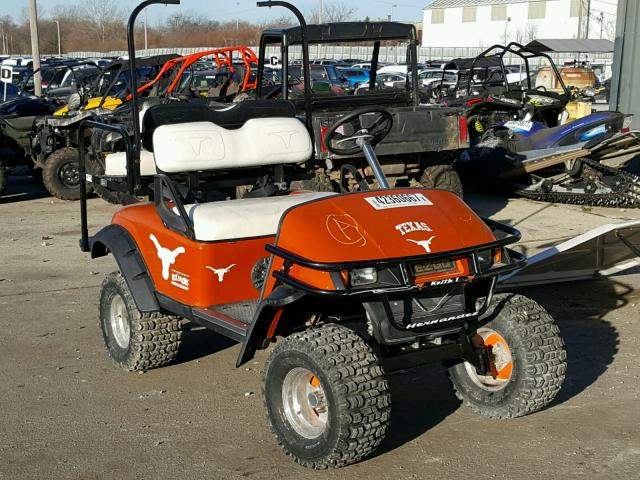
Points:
point(205, 146)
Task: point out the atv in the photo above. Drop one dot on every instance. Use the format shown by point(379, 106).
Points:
point(17, 120)
point(347, 286)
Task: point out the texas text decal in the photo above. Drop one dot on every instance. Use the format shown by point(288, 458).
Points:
point(407, 227)
point(382, 202)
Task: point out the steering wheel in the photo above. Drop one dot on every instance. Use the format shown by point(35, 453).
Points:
point(368, 124)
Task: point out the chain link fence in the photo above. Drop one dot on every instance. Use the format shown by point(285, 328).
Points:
point(395, 54)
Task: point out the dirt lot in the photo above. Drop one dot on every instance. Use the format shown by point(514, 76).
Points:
point(66, 412)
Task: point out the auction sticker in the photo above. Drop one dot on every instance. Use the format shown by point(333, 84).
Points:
point(521, 125)
point(382, 202)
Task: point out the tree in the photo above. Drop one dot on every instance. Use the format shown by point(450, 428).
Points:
point(104, 19)
point(333, 12)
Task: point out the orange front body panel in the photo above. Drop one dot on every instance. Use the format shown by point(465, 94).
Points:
point(381, 224)
point(202, 273)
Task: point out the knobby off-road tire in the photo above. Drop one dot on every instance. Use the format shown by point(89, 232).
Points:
point(135, 340)
point(60, 174)
point(350, 384)
point(538, 362)
point(442, 177)
point(4, 174)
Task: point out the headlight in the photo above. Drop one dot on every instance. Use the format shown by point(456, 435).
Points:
point(363, 276)
point(485, 260)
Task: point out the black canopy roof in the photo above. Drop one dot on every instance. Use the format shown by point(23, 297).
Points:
point(465, 63)
point(143, 62)
point(347, 32)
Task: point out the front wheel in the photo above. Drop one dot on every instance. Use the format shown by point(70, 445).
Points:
point(326, 397)
point(528, 361)
point(61, 174)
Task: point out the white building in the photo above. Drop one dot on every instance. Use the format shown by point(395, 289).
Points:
point(482, 23)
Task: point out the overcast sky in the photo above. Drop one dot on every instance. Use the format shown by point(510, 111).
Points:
point(406, 10)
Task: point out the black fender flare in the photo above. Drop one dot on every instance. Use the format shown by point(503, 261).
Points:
point(279, 298)
point(118, 241)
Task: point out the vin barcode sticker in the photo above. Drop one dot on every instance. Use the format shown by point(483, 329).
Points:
point(381, 202)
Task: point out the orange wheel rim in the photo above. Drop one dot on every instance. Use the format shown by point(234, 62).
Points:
point(501, 362)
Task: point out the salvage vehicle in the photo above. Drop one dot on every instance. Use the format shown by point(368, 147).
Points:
point(424, 140)
point(522, 136)
point(486, 78)
point(17, 127)
point(570, 163)
point(348, 286)
point(355, 76)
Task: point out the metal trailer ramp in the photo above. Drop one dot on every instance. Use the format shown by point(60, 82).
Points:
point(603, 251)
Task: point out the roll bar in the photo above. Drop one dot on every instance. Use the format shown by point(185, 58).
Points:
point(522, 52)
point(135, 104)
point(285, 61)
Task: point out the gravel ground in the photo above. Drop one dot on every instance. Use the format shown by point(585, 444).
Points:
point(66, 412)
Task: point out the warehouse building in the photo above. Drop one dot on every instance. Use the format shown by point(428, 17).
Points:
point(481, 23)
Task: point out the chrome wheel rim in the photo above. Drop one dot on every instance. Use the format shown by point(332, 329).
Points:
point(501, 363)
point(119, 321)
point(304, 402)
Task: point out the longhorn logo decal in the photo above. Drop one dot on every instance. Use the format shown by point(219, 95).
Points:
point(195, 143)
point(426, 244)
point(344, 229)
point(220, 272)
point(168, 257)
point(286, 137)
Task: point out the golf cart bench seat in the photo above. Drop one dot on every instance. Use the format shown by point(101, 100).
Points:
point(245, 217)
point(200, 146)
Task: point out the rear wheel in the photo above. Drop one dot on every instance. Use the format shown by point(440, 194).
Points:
point(116, 198)
point(326, 398)
point(61, 175)
point(528, 361)
point(442, 177)
point(135, 340)
point(319, 183)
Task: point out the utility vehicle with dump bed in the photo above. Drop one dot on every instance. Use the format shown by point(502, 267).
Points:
point(424, 139)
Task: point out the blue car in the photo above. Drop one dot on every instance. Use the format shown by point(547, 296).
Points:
point(355, 76)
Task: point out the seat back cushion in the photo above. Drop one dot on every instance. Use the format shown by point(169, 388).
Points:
point(201, 146)
point(232, 115)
